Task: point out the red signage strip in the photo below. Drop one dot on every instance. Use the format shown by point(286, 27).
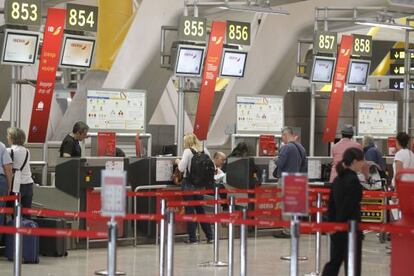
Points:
point(338, 84)
point(208, 83)
point(53, 232)
point(46, 76)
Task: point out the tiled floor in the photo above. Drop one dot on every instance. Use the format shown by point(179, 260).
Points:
point(263, 259)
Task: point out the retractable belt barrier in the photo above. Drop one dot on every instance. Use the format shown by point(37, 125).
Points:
point(8, 198)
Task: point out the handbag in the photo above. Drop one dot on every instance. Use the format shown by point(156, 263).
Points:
point(177, 176)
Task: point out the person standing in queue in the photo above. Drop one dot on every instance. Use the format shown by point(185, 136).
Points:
point(70, 145)
point(345, 205)
point(291, 159)
point(191, 144)
point(6, 176)
point(372, 153)
point(20, 156)
point(219, 159)
point(404, 157)
point(339, 148)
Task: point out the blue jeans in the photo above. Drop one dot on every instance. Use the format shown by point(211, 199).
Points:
point(191, 210)
point(4, 187)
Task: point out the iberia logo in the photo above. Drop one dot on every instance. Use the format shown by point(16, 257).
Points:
point(54, 31)
point(219, 40)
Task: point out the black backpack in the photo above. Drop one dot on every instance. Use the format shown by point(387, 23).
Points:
point(202, 170)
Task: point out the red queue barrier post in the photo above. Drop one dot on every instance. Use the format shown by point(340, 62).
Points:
point(352, 247)
point(170, 243)
point(17, 264)
point(216, 244)
point(243, 245)
point(162, 239)
point(230, 253)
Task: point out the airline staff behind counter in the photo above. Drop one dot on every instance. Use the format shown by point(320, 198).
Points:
point(70, 145)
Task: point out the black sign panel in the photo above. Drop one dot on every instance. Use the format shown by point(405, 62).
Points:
point(398, 54)
point(362, 45)
point(325, 42)
point(398, 84)
point(81, 18)
point(192, 29)
point(238, 33)
point(22, 12)
point(397, 69)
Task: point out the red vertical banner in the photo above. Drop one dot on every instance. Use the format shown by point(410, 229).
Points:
point(46, 76)
point(338, 86)
point(208, 82)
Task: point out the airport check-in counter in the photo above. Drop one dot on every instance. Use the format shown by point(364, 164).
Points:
point(74, 176)
point(144, 173)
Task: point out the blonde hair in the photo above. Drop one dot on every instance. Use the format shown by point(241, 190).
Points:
point(191, 141)
point(17, 136)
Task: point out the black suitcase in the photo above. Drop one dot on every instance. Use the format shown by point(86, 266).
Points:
point(52, 246)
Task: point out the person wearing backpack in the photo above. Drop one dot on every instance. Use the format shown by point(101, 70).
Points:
point(22, 180)
point(198, 169)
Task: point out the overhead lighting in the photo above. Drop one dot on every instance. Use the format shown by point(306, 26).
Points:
point(387, 25)
point(254, 8)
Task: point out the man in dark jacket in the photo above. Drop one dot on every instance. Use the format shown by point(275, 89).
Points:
point(372, 153)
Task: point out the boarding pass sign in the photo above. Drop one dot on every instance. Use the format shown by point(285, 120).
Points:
point(113, 193)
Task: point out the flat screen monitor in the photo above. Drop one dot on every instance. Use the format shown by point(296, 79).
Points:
point(77, 51)
point(358, 72)
point(377, 118)
point(233, 64)
point(322, 70)
point(20, 47)
point(189, 61)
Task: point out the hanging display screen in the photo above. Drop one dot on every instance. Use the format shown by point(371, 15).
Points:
point(189, 61)
point(358, 72)
point(233, 64)
point(322, 70)
point(20, 47)
point(259, 114)
point(77, 52)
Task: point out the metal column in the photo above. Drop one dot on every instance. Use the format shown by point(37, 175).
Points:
point(180, 117)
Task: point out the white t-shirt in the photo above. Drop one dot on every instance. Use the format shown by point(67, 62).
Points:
point(19, 154)
point(406, 157)
point(185, 162)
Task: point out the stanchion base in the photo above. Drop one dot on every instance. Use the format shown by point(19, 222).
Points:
point(312, 274)
point(213, 264)
point(105, 272)
point(287, 258)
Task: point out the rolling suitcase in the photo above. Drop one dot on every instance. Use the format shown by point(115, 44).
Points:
point(52, 246)
point(30, 250)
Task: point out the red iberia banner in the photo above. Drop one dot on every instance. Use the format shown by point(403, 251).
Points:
point(46, 76)
point(208, 83)
point(338, 84)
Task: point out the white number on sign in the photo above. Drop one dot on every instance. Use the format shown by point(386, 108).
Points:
point(24, 11)
point(326, 41)
point(362, 45)
point(194, 28)
point(79, 18)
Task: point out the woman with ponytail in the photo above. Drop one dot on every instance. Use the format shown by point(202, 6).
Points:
point(344, 205)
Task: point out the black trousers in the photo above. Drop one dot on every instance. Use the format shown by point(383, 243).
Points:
point(191, 210)
point(339, 254)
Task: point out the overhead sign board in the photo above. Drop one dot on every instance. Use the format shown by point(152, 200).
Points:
point(81, 18)
point(362, 45)
point(398, 84)
point(23, 12)
point(20, 47)
point(238, 33)
point(397, 69)
point(77, 51)
point(325, 42)
point(192, 29)
point(378, 118)
point(398, 53)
